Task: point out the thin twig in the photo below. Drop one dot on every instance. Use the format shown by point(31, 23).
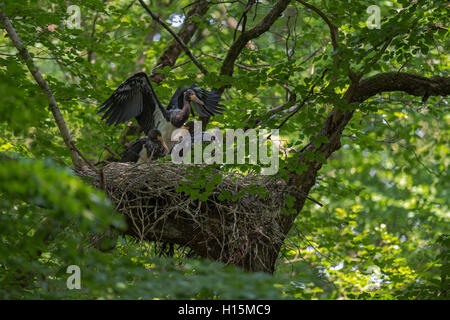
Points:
point(111, 151)
point(99, 171)
point(175, 36)
point(74, 147)
point(331, 26)
point(311, 91)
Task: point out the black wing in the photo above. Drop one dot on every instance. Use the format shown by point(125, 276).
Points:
point(131, 154)
point(176, 102)
point(134, 98)
point(210, 99)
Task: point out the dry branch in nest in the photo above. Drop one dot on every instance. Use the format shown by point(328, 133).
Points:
point(244, 232)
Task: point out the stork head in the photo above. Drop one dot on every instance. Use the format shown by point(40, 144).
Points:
point(155, 136)
point(190, 95)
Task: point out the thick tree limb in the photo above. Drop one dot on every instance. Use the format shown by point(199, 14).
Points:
point(176, 37)
point(409, 83)
point(338, 119)
point(53, 106)
point(187, 31)
point(237, 46)
point(233, 53)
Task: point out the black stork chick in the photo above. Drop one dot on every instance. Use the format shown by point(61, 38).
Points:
point(203, 137)
point(144, 149)
point(136, 98)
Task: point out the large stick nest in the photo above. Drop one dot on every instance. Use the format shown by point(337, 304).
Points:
point(238, 232)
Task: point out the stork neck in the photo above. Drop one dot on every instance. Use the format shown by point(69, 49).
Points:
point(186, 110)
point(182, 116)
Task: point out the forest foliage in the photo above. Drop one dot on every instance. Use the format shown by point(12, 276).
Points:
point(383, 230)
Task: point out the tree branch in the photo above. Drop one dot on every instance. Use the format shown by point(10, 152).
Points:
point(333, 28)
point(176, 37)
point(406, 82)
point(171, 54)
point(237, 46)
point(301, 104)
point(53, 106)
point(187, 31)
point(338, 119)
point(249, 68)
point(334, 39)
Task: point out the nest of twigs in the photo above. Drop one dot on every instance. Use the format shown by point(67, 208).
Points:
point(225, 229)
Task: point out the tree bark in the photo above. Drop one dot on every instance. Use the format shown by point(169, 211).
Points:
point(187, 31)
point(176, 37)
point(233, 53)
point(53, 105)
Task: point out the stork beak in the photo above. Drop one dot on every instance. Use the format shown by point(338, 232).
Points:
point(163, 144)
point(194, 98)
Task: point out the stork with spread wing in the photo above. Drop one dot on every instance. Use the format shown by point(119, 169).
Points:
point(136, 98)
